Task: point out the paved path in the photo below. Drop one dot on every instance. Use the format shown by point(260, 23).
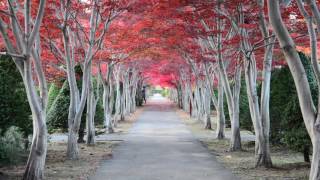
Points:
point(160, 147)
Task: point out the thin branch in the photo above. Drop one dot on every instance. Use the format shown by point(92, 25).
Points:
point(18, 56)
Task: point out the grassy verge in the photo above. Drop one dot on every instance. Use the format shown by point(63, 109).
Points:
point(287, 164)
point(58, 168)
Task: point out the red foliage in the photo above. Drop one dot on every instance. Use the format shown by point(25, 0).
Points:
point(156, 35)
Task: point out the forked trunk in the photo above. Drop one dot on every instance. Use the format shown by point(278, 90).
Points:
point(263, 157)
point(235, 141)
point(262, 151)
point(36, 161)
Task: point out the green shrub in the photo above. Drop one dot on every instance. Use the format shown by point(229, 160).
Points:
point(52, 94)
point(57, 115)
point(245, 117)
point(11, 146)
point(287, 126)
point(165, 92)
point(282, 90)
point(99, 115)
point(14, 107)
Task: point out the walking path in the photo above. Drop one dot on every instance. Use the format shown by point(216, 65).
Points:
point(160, 147)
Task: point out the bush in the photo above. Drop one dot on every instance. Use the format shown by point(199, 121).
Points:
point(165, 92)
point(282, 90)
point(57, 115)
point(52, 94)
point(11, 146)
point(14, 107)
point(245, 117)
point(287, 126)
point(99, 116)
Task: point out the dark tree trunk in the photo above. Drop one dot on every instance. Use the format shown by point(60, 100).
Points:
point(81, 131)
point(306, 153)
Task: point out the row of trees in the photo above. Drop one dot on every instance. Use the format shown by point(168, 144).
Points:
point(50, 39)
point(201, 48)
point(232, 37)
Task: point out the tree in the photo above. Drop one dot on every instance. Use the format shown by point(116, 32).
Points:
point(308, 109)
point(25, 52)
point(87, 40)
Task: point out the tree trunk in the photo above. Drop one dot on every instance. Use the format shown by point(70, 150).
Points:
point(72, 148)
point(207, 105)
point(25, 46)
point(106, 109)
point(220, 112)
point(301, 82)
point(315, 165)
point(110, 115)
point(262, 146)
point(91, 105)
point(179, 96)
point(118, 98)
point(235, 142)
point(36, 160)
point(306, 153)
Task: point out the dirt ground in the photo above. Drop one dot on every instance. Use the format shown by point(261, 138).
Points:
point(58, 168)
point(288, 164)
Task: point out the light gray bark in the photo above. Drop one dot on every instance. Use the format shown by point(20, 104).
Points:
point(232, 97)
point(24, 56)
point(264, 158)
point(92, 101)
point(235, 141)
point(309, 112)
point(118, 96)
point(220, 131)
point(71, 41)
point(108, 97)
point(261, 128)
point(315, 12)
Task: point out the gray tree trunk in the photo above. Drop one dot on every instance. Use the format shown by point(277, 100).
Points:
point(235, 141)
point(309, 112)
point(220, 133)
point(21, 53)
